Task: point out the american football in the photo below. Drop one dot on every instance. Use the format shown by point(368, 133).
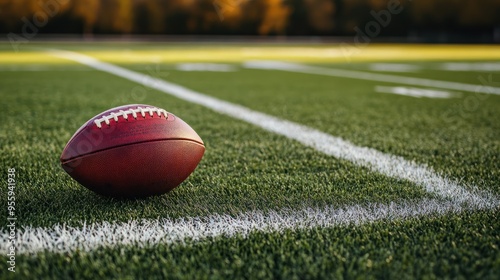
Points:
point(284, 139)
point(132, 151)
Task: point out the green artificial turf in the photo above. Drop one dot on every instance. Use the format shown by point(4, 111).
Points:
point(452, 246)
point(459, 137)
point(246, 168)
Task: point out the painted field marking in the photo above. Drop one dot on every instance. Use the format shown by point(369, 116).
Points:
point(454, 198)
point(468, 66)
point(209, 67)
point(416, 92)
point(359, 75)
point(144, 233)
point(394, 67)
point(61, 238)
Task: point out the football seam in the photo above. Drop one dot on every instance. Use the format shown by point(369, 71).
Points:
point(89, 122)
point(124, 114)
point(129, 144)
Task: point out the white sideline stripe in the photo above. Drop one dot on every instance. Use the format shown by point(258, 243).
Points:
point(300, 68)
point(477, 66)
point(415, 92)
point(394, 67)
point(211, 67)
point(389, 165)
point(61, 238)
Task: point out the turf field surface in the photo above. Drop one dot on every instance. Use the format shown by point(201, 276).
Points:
point(248, 170)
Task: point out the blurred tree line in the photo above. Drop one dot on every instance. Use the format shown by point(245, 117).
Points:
point(250, 17)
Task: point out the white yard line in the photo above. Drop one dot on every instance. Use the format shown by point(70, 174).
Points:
point(144, 233)
point(59, 238)
point(394, 67)
point(300, 68)
point(470, 66)
point(209, 67)
point(416, 92)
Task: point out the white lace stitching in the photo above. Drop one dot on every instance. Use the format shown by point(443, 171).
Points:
point(114, 115)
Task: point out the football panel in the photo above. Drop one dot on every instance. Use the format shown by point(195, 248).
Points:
point(137, 170)
point(91, 139)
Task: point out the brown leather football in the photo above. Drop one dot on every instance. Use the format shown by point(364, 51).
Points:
point(132, 151)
